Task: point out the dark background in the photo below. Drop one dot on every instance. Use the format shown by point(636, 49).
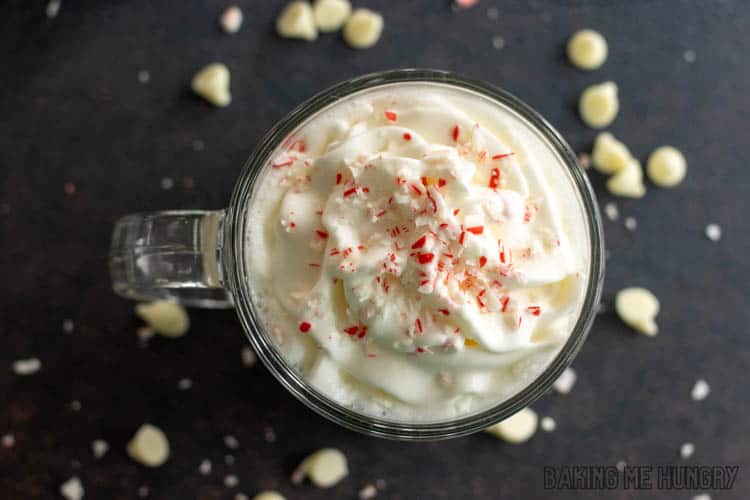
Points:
point(73, 111)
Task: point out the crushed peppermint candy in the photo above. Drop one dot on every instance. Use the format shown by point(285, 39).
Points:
point(620, 466)
point(565, 382)
point(548, 424)
point(231, 481)
point(584, 159)
point(368, 491)
point(241, 496)
point(713, 232)
point(144, 76)
point(205, 467)
point(143, 491)
point(27, 366)
point(53, 8)
point(68, 326)
point(611, 211)
point(269, 435)
point(167, 183)
point(498, 42)
point(231, 442)
point(72, 489)
point(248, 357)
point(630, 223)
point(700, 391)
point(687, 450)
point(229, 459)
point(689, 56)
point(8, 440)
point(184, 384)
point(99, 448)
point(702, 496)
point(75, 405)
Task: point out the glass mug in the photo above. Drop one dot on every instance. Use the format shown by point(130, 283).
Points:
point(196, 258)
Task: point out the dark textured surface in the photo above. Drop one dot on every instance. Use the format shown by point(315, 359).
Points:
point(74, 111)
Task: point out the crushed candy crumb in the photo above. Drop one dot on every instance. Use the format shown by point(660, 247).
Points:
point(144, 76)
point(231, 481)
point(184, 384)
point(27, 366)
point(565, 382)
point(630, 223)
point(8, 440)
point(713, 232)
point(231, 442)
point(548, 424)
point(368, 491)
point(687, 450)
point(248, 357)
point(99, 448)
point(205, 467)
point(700, 391)
point(68, 326)
point(611, 211)
point(72, 489)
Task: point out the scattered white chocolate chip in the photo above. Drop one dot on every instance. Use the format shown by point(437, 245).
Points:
point(637, 308)
point(628, 182)
point(231, 19)
point(548, 424)
point(72, 489)
point(166, 318)
point(297, 21)
point(713, 232)
point(212, 84)
point(666, 166)
point(587, 49)
point(599, 104)
point(27, 366)
point(565, 382)
point(630, 223)
point(269, 495)
point(517, 428)
point(611, 211)
point(68, 326)
point(8, 440)
point(687, 450)
point(363, 29)
point(231, 442)
point(231, 481)
point(325, 468)
point(184, 384)
point(367, 492)
point(700, 391)
point(609, 154)
point(53, 8)
point(330, 15)
point(99, 448)
point(248, 357)
point(205, 467)
point(149, 446)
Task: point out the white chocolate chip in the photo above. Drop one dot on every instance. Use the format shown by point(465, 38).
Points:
point(599, 105)
point(638, 307)
point(609, 154)
point(628, 182)
point(231, 19)
point(700, 391)
point(325, 468)
point(99, 448)
point(27, 366)
point(363, 29)
point(713, 232)
point(587, 49)
point(212, 84)
point(166, 318)
point(149, 446)
point(297, 21)
point(565, 382)
point(666, 166)
point(72, 489)
point(687, 450)
point(517, 428)
point(269, 495)
point(330, 15)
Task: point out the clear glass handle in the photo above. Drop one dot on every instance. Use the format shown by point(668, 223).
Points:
point(172, 255)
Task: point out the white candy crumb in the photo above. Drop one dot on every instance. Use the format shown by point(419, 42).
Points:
point(380, 484)
point(205, 467)
point(8, 440)
point(231, 19)
point(68, 326)
point(700, 391)
point(75, 464)
point(585, 160)
point(167, 183)
point(184, 384)
point(611, 211)
point(198, 145)
point(248, 357)
point(687, 450)
point(231, 442)
point(143, 491)
point(689, 56)
point(99, 448)
point(630, 223)
point(53, 7)
point(465, 4)
point(75, 405)
point(498, 42)
point(548, 424)
point(27, 366)
point(565, 382)
point(144, 76)
point(229, 459)
point(368, 491)
point(493, 13)
point(620, 466)
point(72, 489)
point(713, 232)
point(241, 496)
point(703, 496)
point(231, 481)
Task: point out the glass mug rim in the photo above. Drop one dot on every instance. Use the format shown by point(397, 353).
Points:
point(237, 273)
